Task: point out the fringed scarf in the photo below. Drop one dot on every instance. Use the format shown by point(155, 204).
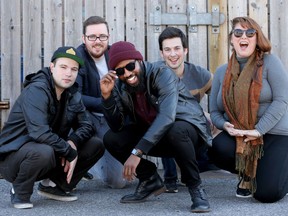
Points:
point(240, 95)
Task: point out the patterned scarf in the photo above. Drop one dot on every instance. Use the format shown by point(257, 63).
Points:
point(240, 95)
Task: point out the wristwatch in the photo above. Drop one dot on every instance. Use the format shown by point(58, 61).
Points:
point(137, 153)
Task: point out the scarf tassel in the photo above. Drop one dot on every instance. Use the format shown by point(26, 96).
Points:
point(246, 165)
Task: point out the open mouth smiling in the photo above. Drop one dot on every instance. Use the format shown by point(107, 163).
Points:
point(243, 44)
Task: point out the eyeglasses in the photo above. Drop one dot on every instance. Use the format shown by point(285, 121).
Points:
point(130, 67)
point(94, 37)
point(239, 32)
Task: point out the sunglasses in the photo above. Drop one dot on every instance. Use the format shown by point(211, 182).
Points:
point(130, 67)
point(239, 32)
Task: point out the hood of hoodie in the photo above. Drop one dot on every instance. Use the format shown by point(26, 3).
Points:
point(43, 75)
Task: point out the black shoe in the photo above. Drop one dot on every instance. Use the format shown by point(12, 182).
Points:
point(55, 193)
point(20, 203)
point(243, 193)
point(199, 199)
point(153, 185)
point(171, 186)
point(88, 176)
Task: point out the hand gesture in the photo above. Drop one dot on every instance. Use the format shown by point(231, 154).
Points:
point(107, 83)
point(69, 166)
point(249, 134)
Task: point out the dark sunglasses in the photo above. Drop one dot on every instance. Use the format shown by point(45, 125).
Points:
point(239, 32)
point(130, 67)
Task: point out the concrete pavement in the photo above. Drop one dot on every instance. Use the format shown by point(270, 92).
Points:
point(94, 198)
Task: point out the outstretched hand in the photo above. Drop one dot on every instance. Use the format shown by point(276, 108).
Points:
point(129, 170)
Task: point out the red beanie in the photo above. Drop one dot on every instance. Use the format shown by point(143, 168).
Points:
point(121, 51)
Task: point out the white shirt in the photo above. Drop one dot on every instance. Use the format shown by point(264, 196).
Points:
point(101, 66)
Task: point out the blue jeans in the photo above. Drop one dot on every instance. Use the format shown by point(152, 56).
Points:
point(170, 171)
point(108, 169)
point(204, 164)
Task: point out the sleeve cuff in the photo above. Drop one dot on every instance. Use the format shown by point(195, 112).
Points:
point(71, 155)
point(144, 145)
point(109, 102)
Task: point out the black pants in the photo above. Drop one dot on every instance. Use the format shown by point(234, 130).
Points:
point(272, 169)
point(179, 142)
point(35, 161)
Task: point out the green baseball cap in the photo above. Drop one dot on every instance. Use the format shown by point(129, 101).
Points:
point(68, 52)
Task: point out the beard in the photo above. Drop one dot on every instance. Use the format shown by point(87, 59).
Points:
point(99, 53)
point(141, 85)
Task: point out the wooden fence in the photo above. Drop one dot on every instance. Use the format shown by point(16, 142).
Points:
point(32, 29)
